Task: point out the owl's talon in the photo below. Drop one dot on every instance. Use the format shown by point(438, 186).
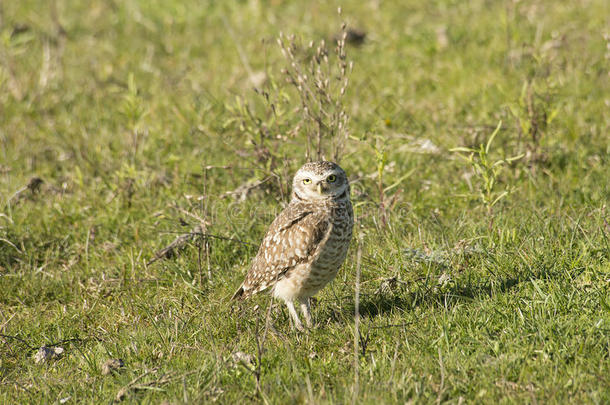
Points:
point(305, 308)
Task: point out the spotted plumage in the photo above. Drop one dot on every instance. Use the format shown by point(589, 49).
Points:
point(307, 242)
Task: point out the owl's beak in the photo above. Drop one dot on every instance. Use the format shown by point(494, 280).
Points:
point(322, 188)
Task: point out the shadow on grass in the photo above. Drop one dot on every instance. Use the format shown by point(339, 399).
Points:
point(426, 295)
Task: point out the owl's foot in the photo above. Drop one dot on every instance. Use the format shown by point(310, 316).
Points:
point(294, 317)
point(305, 308)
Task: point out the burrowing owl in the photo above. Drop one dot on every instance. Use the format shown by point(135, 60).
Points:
point(307, 243)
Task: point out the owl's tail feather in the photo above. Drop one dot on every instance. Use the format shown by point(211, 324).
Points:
point(239, 294)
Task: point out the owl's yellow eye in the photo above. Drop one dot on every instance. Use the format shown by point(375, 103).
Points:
point(306, 181)
point(331, 178)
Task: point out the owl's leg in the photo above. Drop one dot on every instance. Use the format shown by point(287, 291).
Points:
point(306, 309)
point(296, 322)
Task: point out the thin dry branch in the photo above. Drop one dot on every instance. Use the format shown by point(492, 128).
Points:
point(176, 244)
point(184, 238)
point(321, 86)
point(356, 387)
point(151, 385)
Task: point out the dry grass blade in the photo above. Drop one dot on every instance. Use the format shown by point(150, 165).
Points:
point(356, 387)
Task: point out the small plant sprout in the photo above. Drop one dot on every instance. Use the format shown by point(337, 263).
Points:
point(133, 110)
point(386, 201)
point(534, 112)
point(381, 158)
point(486, 171)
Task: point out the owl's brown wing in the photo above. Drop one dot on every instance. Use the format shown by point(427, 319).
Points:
point(292, 238)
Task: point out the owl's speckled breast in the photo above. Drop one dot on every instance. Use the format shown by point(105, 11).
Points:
point(333, 252)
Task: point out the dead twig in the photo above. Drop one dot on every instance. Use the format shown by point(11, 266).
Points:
point(356, 387)
point(242, 192)
point(33, 186)
point(54, 344)
point(151, 385)
point(23, 341)
point(184, 238)
point(177, 243)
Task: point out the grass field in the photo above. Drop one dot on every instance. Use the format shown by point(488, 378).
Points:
point(485, 274)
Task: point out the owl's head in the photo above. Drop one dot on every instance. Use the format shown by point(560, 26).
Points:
point(320, 181)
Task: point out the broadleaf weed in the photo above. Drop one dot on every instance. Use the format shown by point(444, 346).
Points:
point(486, 172)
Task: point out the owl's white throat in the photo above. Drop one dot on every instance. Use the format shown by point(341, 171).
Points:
point(343, 195)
